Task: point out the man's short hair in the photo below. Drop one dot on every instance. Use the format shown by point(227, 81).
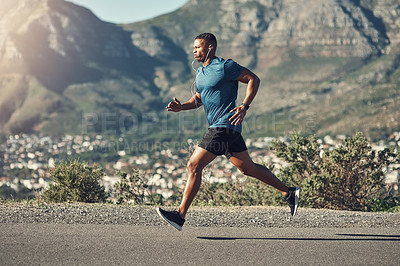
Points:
point(209, 38)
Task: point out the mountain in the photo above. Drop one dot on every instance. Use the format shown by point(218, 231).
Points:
point(326, 66)
point(60, 63)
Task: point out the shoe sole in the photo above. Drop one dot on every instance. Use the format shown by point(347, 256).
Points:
point(296, 200)
point(175, 225)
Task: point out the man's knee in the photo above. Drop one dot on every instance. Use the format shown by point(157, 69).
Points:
point(193, 166)
point(243, 170)
point(247, 169)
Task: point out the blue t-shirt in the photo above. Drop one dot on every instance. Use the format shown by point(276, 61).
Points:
point(218, 89)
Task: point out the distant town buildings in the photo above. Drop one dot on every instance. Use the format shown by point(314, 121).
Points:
point(25, 160)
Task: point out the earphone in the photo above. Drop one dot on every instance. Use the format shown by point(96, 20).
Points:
point(193, 87)
point(209, 50)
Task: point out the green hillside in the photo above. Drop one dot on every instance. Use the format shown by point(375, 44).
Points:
point(325, 67)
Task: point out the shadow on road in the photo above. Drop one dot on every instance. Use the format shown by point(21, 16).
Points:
point(368, 235)
point(351, 237)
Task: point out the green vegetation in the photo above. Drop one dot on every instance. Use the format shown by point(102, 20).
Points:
point(21, 193)
point(120, 73)
point(133, 189)
point(300, 68)
point(75, 181)
point(348, 177)
point(247, 192)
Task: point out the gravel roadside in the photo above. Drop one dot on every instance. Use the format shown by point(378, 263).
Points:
point(260, 216)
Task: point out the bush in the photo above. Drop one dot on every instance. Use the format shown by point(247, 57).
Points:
point(348, 177)
point(22, 193)
point(246, 192)
point(75, 181)
point(133, 188)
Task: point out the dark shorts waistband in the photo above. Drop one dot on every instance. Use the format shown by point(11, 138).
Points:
point(223, 141)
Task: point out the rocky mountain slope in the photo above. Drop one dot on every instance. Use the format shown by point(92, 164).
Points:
point(59, 62)
point(327, 66)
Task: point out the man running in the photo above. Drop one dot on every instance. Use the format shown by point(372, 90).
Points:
point(217, 89)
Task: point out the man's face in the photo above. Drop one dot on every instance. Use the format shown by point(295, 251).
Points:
point(200, 50)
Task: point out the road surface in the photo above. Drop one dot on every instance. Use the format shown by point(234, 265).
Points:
point(99, 244)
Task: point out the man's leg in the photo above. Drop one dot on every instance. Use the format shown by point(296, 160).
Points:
point(199, 159)
point(246, 166)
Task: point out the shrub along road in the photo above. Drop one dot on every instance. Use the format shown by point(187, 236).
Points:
point(106, 234)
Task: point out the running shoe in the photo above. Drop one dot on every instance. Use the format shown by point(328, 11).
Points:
point(172, 217)
point(292, 199)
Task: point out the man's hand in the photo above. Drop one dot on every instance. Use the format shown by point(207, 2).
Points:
point(174, 106)
point(237, 118)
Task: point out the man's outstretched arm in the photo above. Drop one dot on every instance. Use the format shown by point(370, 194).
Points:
point(193, 103)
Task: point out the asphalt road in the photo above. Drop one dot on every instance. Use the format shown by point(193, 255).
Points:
point(78, 244)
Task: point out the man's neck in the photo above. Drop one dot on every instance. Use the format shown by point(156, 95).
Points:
point(208, 61)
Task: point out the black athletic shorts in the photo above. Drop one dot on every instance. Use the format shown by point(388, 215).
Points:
point(223, 141)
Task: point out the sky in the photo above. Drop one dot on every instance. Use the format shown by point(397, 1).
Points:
point(128, 11)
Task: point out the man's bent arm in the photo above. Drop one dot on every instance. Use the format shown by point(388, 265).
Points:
point(176, 106)
point(193, 102)
point(253, 83)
